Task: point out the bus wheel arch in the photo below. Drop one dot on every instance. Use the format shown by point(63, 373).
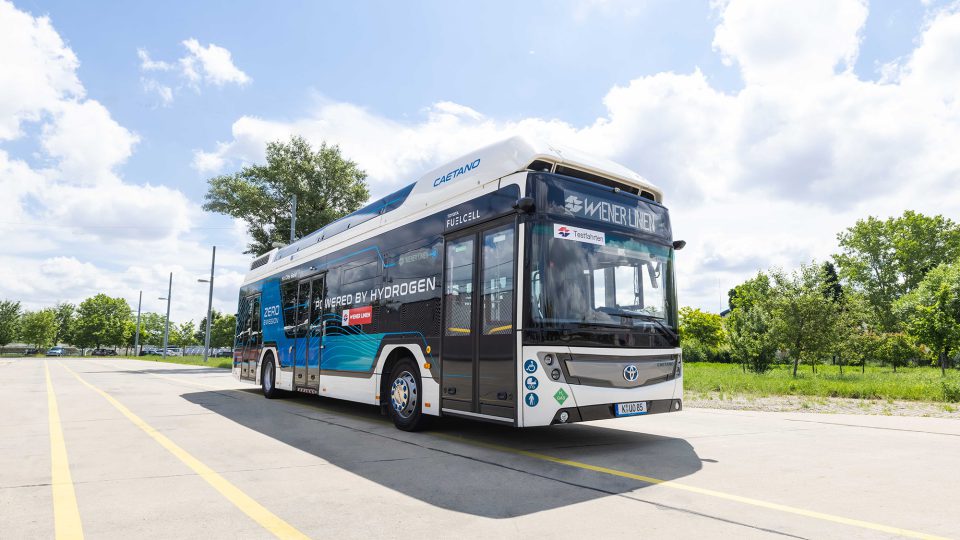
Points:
point(404, 394)
point(393, 358)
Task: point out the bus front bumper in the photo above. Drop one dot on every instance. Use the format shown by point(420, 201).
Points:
point(608, 410)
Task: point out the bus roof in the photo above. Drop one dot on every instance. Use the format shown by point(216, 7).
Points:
point(466, 172)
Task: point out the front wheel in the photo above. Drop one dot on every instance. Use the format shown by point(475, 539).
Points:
point(268, 379)
point(406, 403)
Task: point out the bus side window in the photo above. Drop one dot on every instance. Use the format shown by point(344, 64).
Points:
point(255, 333)
point(288, 295)
point(497, 281)
point(458, 289)
point(243, 313)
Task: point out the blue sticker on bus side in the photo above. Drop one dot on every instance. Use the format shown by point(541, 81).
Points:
point(531, 383)
point(530, 366)
point(531, 399)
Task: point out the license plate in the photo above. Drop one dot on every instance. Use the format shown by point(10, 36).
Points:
point(631, 409)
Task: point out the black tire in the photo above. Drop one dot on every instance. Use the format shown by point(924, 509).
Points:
point(268, 379)
point(405, 397)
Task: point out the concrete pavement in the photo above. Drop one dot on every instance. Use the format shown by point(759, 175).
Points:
point(159, 450)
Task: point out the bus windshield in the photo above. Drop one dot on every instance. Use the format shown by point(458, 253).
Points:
point(583, 276)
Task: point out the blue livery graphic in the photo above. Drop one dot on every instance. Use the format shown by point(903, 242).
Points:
point(531, 399)
point(530, 366)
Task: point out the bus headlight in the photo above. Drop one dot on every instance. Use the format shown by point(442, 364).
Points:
point(555, 374)
point(548, 360)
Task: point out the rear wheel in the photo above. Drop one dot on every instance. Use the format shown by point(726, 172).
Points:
point(406, 403)
point(268, 379)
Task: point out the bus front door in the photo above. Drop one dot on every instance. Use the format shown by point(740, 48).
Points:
point(308, 335)
point(478, 357)
point(251, 338)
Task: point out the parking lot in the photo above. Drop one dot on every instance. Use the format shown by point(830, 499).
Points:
point(137, 449)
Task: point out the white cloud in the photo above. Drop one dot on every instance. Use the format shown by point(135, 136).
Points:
point(36, 69)
point(783, 41)
point(86, 140)
point(210, 64)
point(164, 92)
point(765, 176)
point(935, 65)
point(148, 64)
point(72, 226)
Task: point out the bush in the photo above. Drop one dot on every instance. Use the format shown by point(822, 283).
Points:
point(694, 351)
point(951, 391)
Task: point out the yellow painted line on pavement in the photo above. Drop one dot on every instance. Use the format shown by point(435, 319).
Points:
point(66, 514)
point(647, 479)
point(166, 377)
point(268, 520)
point(703, 491)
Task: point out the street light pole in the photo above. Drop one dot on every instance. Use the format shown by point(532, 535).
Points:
point(166, 327)
point(293, 218)
point(206, 343)
point(136, 341)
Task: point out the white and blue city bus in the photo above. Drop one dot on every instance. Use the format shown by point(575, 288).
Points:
point(523, 283)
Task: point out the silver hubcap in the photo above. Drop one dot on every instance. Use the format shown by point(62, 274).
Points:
point(404, 395)
point(268, 378)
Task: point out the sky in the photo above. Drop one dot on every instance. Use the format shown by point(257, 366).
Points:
point(770, 125)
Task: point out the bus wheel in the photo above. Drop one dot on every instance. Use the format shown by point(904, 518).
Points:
point(268, 380)
point(405, 397)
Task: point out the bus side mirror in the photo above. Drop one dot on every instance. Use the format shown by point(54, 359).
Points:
point(678, 244)
point(524, 204)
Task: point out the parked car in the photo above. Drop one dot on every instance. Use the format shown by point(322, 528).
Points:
point(31, 351)
point(103, 352)
point(223, 353)
point(55, 351)
point(174, 351)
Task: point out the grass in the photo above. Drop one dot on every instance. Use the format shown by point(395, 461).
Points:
point(188, 360)
point(912, 383)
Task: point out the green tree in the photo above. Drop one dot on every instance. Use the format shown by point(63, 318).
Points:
point(751, 340)
point(223, 331)
point(922, 243)
point(182, 335)
point(151, 329)
point(749, 293)
point(38, 328)
point(9, 322)
point(700, 326)
point(101, 320)
point(64, 314)
point(802, 317)
point(932, 311)
point(888, 258)
point(748, 324)
point(327, 187)
point(897, 349)
point(852, 320)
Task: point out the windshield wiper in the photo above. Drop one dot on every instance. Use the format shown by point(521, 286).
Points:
point(647, 317)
